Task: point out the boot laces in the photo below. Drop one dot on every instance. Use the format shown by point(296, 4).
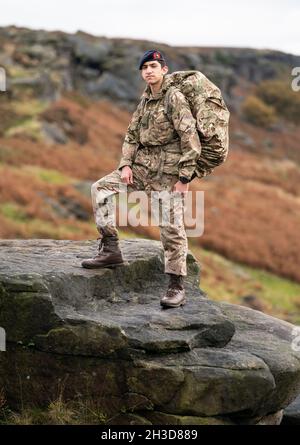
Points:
point(101, 245)
point(106, 243)
point(176, 281)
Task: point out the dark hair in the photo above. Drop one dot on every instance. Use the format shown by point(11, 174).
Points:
point(162, 62)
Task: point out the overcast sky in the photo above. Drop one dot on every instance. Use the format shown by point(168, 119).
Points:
point(272, 24)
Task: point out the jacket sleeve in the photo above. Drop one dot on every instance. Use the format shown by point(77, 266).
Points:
point(131, 140)
point(185, 125)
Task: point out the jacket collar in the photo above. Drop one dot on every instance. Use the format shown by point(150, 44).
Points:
point(167, 82)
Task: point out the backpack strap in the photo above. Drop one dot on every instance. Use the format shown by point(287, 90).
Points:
point(167, 105)
point(141, 108)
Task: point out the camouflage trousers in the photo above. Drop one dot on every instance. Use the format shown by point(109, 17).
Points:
point(172, 230)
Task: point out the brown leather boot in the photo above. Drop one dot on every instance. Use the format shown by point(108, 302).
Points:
point(109, 254)
point(175, 295)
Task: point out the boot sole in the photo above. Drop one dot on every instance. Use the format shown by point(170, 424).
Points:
point(173, 305)
point(107, 266)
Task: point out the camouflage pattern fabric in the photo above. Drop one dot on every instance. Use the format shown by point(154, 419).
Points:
point(212, 116)
point(172, 230)
point(188, 113)
point(180, 131)
point(150, 128)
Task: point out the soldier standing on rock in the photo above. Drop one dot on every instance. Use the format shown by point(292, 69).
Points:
point(158, 154)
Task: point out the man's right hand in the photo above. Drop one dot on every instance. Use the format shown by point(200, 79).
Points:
point(126, 175)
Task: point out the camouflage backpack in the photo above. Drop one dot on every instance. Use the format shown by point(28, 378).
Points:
point(211, 114)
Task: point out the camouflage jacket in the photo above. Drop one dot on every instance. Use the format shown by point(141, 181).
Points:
point(151, 127)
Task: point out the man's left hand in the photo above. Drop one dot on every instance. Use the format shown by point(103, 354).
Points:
point(180, 187)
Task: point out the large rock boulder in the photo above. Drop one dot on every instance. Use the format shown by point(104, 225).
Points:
point(102, 335)
point(291, 415)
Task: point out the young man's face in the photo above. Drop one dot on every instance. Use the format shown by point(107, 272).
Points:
point(152, 72)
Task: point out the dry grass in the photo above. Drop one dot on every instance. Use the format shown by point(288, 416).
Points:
point(251, 202)
point(58, 412)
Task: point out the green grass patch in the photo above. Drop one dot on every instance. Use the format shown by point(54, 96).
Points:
point(29, 107)
point(37, 228)
point(225, 280)
point(28, 126)
point(6, 153)
point(48, 175)
point(280, 292)
point(17, 72)
point(13, 212)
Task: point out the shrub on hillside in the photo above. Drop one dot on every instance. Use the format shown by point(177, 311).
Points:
point(279, 95)
point(258, 113)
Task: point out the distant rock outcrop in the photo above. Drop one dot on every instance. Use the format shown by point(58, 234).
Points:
point(54, 62)
point(102, 335)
